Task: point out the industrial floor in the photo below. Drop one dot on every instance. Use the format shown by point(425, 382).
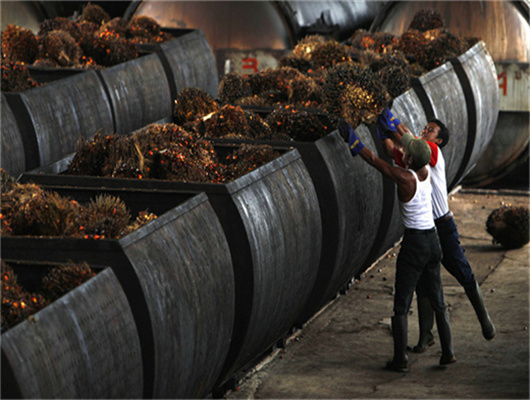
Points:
point(341, 352)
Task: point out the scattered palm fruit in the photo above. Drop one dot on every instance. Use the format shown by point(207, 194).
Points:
point(509, 226)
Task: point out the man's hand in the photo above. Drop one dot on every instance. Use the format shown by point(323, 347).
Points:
point(355, 143)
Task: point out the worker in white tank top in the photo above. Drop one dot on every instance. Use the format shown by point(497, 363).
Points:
point(436, 134)
point(417, 212)
point(418, 262)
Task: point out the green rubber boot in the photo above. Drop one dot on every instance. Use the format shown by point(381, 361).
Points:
point(475, 296)
point(400, 362)
point(426, 322)
point(444, 332)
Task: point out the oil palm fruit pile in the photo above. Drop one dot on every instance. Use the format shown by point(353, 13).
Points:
point(509, 226)
point(19, 302)
point(167, 152)
point(29, 210)
point(89, 40)
point(196, 111)
point(354, 80)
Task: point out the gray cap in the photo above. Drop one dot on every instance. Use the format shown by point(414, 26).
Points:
point(418, 149)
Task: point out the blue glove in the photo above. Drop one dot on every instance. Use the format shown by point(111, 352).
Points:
point(387, 121)
point(346, 130)
point(381, 131)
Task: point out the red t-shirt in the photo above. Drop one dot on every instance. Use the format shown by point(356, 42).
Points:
point(398, 155)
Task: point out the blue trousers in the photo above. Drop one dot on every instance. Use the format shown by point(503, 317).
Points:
point(453, 257)
point(418, 267)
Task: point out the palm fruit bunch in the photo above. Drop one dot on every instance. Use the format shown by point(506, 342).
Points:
point(233, 87)
point(16, 77)
point(298, 124)
point(328, 54)
point(191, 104)
point(354, 93)
point(94, 13)
point(302, 64)
point(107, 48)
point(19, 44)
point(17, 303)
point(440, 49)
point(306, 45)
point(247, 158)
point(104, 217)
point(233, 122)
point(62, 279)
point(142, 29)
point(29, 210)
point(281, 85)
point(60, 24)
point(393, 70)
point(89, 40)
point(426, 20)
point(379, 42)
point(509, 226)
point(158, 151)
point(58, 48)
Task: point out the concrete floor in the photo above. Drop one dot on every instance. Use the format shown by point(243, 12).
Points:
point(341, 352)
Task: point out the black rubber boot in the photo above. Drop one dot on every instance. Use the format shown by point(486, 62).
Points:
point(400, 362)
point(426, 322)
point(444, 332)
point(475, 296)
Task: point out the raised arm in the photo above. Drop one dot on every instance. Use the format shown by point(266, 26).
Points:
point(397, 174)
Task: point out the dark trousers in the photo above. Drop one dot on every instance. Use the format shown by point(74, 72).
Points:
point(418, 267)
point(453, 257)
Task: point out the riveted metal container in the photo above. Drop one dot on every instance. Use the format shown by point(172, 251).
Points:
point(49, 74)
point(83, 345)
point(139, 92)
point(13, 155)
point(477, 75)
point(190, 62)
point(272, 223)
point(346, 188)
point(177, 275)
point(55, 115)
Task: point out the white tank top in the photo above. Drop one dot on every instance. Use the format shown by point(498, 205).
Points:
point(440, 206)
point(417, 212)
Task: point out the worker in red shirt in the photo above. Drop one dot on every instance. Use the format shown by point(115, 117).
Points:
point(436, 134)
